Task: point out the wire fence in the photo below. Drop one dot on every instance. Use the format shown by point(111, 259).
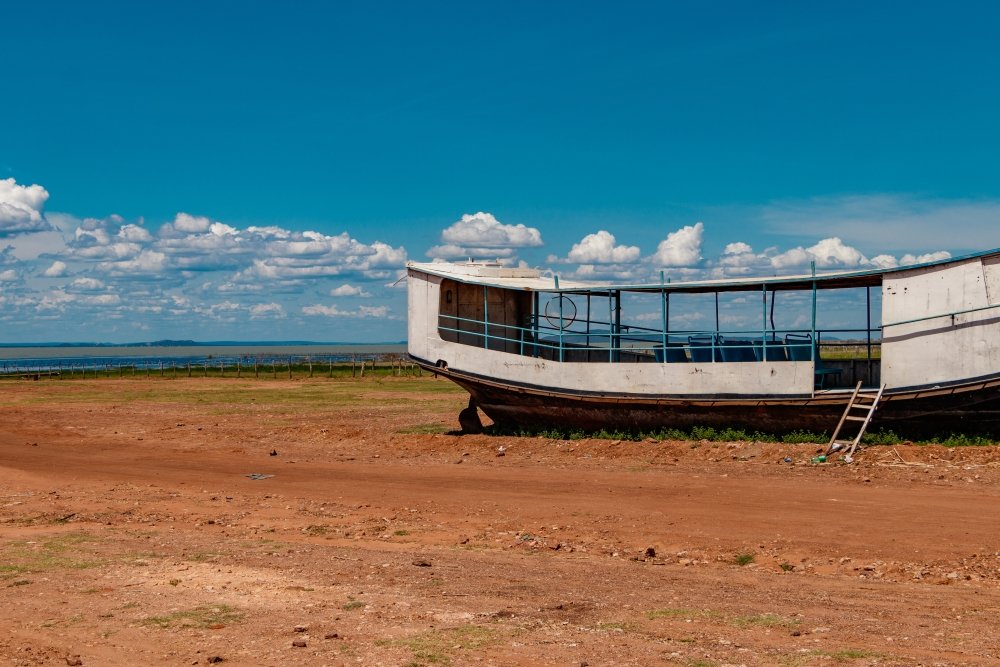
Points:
point(244, 366)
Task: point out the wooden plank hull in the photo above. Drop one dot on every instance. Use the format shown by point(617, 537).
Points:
point(972, 408)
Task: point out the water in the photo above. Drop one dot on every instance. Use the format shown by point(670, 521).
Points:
point(45, 359)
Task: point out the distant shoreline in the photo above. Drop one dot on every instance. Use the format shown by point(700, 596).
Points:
point(211, 343)
point(193, 351)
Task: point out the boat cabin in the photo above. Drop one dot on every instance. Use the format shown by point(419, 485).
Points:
point(791, 336)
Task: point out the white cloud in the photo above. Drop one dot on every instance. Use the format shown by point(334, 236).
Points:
point(681, 248)
point(267, 310)
point(190, 224)
point(482, 235)
point(373, 311)
point(146, 263)
point(828, 253)
point(908, 259)
point(87, 284)
point(21, 208)
point(737, 248)
point(348, 290)
point(100, 300)
point(600, 248)
point(8, 276)
point(333, 311)
point(57, 270)
point(134, 234)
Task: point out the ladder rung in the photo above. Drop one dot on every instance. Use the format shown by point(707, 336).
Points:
point(867, 403)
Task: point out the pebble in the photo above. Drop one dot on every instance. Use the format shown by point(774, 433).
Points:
point(420, 562)
point(331, 635)
point(301, 628)
point(299, 643)
point(215, 659)
point(74, 660)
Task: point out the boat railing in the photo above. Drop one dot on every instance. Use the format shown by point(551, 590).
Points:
point(596, 340)
point(952, 315)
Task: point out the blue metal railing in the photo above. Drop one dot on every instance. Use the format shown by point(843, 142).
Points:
point(764, 344)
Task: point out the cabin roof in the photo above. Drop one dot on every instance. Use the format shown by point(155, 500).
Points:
point(496, 275)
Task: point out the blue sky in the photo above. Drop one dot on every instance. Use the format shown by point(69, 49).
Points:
point(262, 171)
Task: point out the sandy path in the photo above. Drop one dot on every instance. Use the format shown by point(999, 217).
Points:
point(132, 536)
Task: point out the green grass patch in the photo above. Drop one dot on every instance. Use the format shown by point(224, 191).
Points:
point(711, 434)
point(54, 553)
point(424, 429)
point(438, 647)
point(744, 559)
point(354, 605)
point(764, 621)
point(204, 616)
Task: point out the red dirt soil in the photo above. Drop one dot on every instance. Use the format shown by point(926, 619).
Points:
point(130, 534)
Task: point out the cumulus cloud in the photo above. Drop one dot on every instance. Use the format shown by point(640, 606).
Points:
point(739, 258)
point(187, 224)
point(57, 270)
point(21, 208)
point(681, 248)
point(908, 259)
point(482, 235)
point(267, 310)
point(379, 312)
point(87, 284)
point(485, 231)
point(600, 248)
point(828, 253)
point(348, 290)
point(148, 263)
point(199, 244)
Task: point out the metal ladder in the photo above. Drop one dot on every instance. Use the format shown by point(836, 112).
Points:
point(860, 400)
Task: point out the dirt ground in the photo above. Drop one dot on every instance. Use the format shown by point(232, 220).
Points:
point(131, 533)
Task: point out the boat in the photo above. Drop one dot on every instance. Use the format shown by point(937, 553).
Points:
point(536, 352)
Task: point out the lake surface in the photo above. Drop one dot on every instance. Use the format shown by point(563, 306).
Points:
point(49, 358)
